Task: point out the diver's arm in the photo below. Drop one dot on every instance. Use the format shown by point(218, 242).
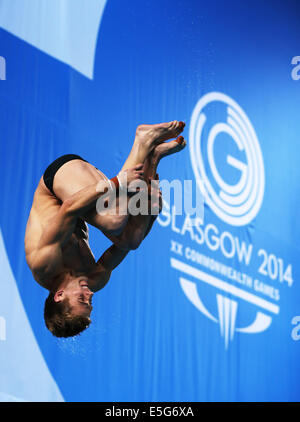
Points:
point(109, 260)
point(112, 257)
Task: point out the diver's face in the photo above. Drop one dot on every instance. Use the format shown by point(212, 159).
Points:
point(80, 296)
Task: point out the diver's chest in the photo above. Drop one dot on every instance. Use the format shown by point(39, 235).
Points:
point(77, 253)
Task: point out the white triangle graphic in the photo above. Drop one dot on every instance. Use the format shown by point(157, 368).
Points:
point(227, 309)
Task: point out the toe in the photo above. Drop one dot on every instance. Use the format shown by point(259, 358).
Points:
point(179, 140)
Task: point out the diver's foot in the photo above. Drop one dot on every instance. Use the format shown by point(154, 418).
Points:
point(149, 136)
point(168, 148)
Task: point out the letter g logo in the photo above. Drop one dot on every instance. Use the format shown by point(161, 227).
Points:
point(235, 203)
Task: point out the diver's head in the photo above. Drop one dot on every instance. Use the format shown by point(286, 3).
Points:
point(68, 307)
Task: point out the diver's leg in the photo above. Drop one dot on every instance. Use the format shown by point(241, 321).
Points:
point(138, 227)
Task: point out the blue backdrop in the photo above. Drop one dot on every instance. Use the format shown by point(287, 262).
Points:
point(199, 312)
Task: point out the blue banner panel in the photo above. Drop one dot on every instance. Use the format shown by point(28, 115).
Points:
point(205, 309)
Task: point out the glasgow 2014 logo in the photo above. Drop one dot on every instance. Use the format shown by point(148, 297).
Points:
point(240, 276)
point(235, 203)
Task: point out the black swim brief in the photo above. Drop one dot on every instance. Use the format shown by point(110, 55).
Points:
point(81, 228)
point(55, 166)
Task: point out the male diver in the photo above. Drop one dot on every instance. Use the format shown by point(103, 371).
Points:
point(57, 241)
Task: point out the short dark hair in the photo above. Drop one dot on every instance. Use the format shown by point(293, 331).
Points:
point(60, 321)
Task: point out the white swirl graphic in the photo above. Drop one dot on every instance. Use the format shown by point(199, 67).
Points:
point(235, 204)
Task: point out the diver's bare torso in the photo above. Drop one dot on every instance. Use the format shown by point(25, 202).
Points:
point(76, 252)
